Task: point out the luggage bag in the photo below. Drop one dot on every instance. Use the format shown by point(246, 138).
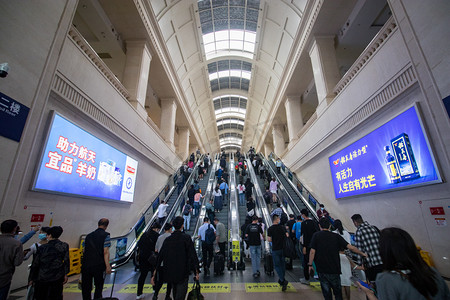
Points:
point(112, 288)
point(219, 263)
point(268, 264)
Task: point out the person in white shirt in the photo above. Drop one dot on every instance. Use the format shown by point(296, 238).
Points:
point(241, 190)
point(207, 245)
point(346, 271)
point(162, 212)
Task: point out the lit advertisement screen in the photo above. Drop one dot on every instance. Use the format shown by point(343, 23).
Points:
point(395, 155)
point(74, 162)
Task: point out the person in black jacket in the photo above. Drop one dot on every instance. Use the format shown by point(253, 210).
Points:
point(179, 259)
point(248, 188)
point(309, 227)
point(50, 267)
point(95, 260)
point(146, 245)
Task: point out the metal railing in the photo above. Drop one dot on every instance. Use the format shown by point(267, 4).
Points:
point(311, 203)
point(123, 247)
point(235, 248)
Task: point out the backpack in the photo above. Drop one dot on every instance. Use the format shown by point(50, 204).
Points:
point(210, 237)
point(180, 179)
point(186, 209)
point(283, 218)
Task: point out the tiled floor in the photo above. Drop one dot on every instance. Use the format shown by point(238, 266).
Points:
point(231, 285)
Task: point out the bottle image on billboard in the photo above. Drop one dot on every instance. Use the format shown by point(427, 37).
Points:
point(404, 156)
point(392, 166)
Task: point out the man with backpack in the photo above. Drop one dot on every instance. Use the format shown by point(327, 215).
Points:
point(50, 267)
point(207, 234)
point(180, 182)
point(253, 237)
point(187, 209)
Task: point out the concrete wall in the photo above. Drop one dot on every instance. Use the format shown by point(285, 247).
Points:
point(419, 49)
point(50, 72)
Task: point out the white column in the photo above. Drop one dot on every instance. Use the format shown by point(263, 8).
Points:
point(137, 69)
point(183, 142)
point(325, 69)
point(278, 139)
point(294, 116)
point(168, 115)
point(267, 149)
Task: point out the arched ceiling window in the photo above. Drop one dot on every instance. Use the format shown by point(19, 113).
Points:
point(229, 106)
point(229, 74)
point(229, 26)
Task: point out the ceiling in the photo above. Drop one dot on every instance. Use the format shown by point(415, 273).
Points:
point(229, 63)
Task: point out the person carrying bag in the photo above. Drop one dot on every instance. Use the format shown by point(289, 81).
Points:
point(195, 293)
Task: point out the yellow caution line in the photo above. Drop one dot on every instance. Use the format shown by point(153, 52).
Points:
point(267, 287)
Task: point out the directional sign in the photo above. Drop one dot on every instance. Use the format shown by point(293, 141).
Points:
point(269, 287)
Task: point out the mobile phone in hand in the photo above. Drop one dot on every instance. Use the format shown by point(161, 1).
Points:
point(355, 279)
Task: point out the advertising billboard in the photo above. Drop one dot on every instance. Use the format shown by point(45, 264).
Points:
point(395, 155)
point(74, 162)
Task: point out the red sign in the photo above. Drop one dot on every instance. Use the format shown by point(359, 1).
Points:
point(37, 218)
point(437, 211)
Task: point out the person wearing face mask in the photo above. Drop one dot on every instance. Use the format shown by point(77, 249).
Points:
point(322, 212)
point(11, 255)
point(42, 240)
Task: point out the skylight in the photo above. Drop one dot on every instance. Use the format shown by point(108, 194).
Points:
point(229, 27)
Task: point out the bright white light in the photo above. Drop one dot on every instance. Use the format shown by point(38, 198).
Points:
point(226, 96)
point(232, 73)
point(228, 121)
point(234, 114)
point(231, 40)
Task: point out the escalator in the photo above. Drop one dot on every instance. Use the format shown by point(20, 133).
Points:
point(123, 247)
point(299, 201)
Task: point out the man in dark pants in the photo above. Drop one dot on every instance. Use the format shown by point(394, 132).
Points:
point(95, 260)
point(207, 244)
point(146, 246)
point(276, 235)
point(325, 247)
point(179, 259)
point(367, 239)
point(309, 227)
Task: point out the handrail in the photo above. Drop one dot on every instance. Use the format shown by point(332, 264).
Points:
point(146, 220)
point(259, 201)
point(289, 206)
point(202, 213)
point(312, 203)
point(233, 219)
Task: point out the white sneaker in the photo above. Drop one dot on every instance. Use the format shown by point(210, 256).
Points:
point(304, 281)
point(142, 296)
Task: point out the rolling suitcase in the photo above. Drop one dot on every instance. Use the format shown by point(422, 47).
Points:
point(219, 263)
point(268, 264)
point(112, 288)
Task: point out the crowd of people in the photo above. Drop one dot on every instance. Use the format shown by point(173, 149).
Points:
point(386, 259)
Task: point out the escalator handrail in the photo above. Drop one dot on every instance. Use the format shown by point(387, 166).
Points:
point(233, 212)
point(117, 262)
point(281, 187)
point(302, 198)
point(260, 202)
point(202, 213)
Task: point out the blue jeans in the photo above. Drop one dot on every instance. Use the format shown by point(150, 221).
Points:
point(187, 221)
point(278, 263)
point(242, 199)
point(330, 282)
point(196, 208)
point(4, 291)
point(255, 253)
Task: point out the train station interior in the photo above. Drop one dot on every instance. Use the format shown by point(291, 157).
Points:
point(345, 103)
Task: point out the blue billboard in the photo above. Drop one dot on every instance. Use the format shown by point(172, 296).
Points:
point(74, 162)
point(395, 155)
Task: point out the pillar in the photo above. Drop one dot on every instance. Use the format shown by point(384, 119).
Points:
point(294, 116)
point(137, 69)
point(168, 115)
point(278, 139)
point(325, 69)
point(183, 142)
